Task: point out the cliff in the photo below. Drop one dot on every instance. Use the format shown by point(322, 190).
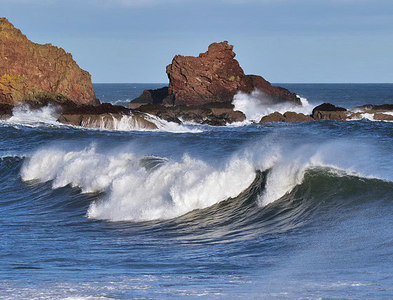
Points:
point(32, 72)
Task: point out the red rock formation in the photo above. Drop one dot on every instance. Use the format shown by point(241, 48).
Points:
point(29, 71)
point(215, 76)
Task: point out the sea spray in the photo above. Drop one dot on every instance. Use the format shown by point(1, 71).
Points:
point(26, 116)
point(48, 115)
point(134, 192)
point(257, 104)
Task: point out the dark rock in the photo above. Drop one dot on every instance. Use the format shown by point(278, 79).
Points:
point(211, 113)
point(5, 111)
point(103, 108)
point(327, 107)
point(158, 96)
point(327, 111)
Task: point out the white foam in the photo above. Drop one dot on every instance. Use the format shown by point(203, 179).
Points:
point(135, 193)
point(290, 165)
point(164, 125)
point(257, 104)
point(26, 116)
point(368, 116)
point(138, 189)
point(48, 115)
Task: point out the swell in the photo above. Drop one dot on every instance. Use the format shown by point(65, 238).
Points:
point(324, 193)
point(145, 188)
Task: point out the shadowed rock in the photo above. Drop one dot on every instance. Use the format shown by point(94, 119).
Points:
point(327, 111)
point(157, 96)
point(5, 111)
point(215, 114)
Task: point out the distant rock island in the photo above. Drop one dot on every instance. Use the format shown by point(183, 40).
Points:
point(201, 89)
point(213, 76)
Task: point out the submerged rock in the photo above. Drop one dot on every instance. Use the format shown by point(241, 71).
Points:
point(31, 72)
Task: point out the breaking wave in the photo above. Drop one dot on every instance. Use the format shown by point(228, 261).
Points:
point(142, 188)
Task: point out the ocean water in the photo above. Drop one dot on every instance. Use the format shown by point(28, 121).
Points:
point(264, 211)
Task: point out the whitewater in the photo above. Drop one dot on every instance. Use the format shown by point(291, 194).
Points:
point(252, 210)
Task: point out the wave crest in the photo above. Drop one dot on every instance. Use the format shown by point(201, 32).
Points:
point(148, 188)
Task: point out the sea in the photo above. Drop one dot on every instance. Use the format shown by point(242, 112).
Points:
point(249, 210)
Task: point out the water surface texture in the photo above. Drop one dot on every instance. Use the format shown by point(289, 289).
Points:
point(255, 210)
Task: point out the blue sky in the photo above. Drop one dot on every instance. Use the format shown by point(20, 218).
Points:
point(282, 40)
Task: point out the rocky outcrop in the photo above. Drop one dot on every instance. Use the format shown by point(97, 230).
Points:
point(382, 112)
point(103, 116)
point(213, 76)
point(382, 117)
point(31, 72)
point(374, 108)
point(215, 114)
point(150, 97)
point(327, 111)
point(107, 121)
point(290, 117)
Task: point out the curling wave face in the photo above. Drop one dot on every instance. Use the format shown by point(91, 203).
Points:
point(141, 188)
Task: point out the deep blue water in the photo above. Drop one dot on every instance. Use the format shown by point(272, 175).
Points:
point(257, 211)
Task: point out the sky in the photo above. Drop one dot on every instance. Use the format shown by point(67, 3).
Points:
point(285, 41)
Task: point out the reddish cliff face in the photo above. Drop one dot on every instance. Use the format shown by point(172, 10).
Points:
point(30, 71)
point(215, 76)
